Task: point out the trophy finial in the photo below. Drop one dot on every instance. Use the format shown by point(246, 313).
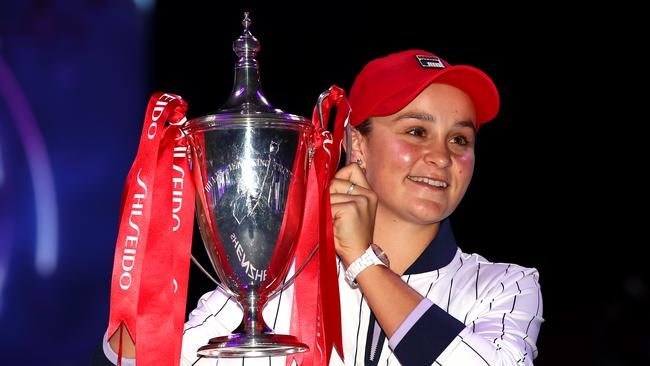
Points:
point(246, 22)
point(246, 46)
point(247, 96)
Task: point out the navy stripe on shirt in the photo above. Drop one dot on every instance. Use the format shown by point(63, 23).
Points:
point(424, 337)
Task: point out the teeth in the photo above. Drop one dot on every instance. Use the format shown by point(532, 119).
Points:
point(431, 182)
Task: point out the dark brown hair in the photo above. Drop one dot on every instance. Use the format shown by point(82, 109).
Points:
point(364, 127)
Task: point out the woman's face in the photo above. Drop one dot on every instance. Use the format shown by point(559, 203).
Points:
point(420, 160)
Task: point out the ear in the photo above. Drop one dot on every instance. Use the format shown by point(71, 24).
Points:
point(357, 148)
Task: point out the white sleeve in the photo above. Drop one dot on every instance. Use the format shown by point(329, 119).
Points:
point(216, 314)
point(505, 328)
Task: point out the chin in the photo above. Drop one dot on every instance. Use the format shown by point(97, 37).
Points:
point(430, 214)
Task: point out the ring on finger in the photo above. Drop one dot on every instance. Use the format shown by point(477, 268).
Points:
point(350, 189)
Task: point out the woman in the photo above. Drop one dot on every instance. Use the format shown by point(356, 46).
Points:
point(415, 119)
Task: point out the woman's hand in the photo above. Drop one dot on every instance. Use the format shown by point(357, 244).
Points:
point(354, 205)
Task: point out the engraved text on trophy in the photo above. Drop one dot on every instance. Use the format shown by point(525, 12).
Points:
point(249, 195)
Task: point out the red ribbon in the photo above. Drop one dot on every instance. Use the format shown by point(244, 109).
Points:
point(152, 253)
point(316, 314)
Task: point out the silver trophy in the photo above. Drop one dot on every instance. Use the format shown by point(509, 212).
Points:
point(250, 162)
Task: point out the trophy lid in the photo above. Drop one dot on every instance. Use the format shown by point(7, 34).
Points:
point(246, 102)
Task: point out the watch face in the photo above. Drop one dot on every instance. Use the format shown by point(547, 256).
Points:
point(380, 254)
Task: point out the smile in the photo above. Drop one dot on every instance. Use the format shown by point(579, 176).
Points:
point(429, 181)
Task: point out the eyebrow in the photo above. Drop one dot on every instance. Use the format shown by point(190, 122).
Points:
point(415, 115)
point(469, 124)
point(427, 117)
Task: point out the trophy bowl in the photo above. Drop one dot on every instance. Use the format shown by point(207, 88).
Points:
point(249, 162)
point(251, 176)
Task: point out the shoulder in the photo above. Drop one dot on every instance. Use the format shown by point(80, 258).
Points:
point(500, 278)
point(500, 270)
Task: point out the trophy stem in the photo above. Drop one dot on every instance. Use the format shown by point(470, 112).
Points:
point(253, 322)
point(252, 338)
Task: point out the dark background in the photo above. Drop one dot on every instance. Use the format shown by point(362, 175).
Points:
point(557, 180)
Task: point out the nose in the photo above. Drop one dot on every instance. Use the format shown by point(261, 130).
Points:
point(438, 154)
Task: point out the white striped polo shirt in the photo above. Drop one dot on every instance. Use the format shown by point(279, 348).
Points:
point(475, 312)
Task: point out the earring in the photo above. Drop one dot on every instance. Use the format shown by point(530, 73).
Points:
point(359, 162)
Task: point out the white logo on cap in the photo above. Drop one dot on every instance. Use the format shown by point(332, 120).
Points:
point(430, 62)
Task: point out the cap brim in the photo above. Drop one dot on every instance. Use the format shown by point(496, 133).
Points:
point(474, 82)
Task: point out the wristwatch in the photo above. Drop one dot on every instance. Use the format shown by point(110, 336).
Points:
point(374, 255)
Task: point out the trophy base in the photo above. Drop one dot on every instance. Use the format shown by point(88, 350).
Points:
point(263, 345)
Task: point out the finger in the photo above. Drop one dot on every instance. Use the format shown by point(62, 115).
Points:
point(350, 213)
point(352, 221)
point(345, 198)
point(353, 173)
point(343, 208)
point(348, 187)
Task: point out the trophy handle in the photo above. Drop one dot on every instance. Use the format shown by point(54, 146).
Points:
point(348, 137)
point(219, 284)
point(281, 287)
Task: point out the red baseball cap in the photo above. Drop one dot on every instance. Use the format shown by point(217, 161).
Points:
point(387, 84)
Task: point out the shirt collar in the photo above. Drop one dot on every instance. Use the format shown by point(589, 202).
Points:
point(438, 253)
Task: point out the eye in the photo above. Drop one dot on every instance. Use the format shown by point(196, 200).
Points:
point(416, 131)
point(459, 140)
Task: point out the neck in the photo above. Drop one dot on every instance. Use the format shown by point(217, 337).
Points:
point(402, 241)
